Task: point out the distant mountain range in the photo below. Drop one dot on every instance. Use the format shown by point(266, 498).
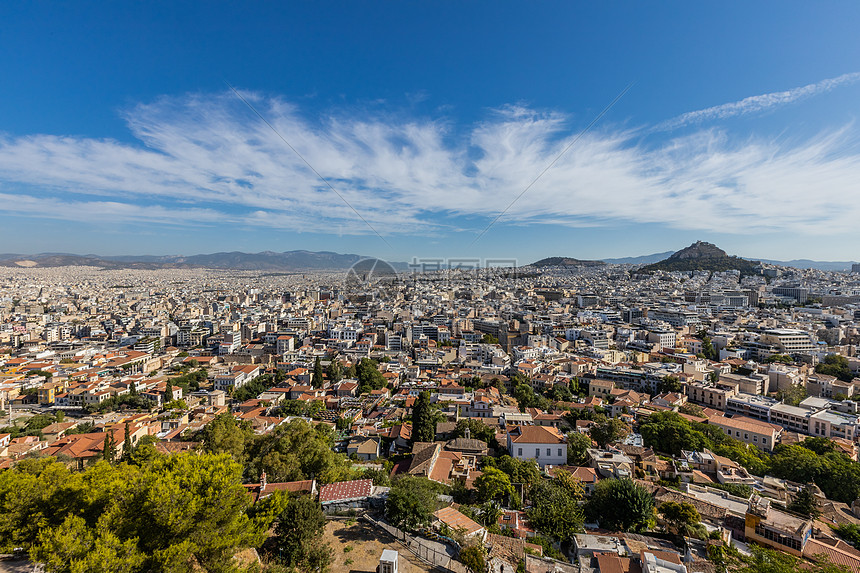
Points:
point(808, 264)
point(643, 260)
point(265, 261)
point(566, 262)
point(692, 258)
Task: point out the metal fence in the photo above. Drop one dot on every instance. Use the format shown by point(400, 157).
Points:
point(431, 552)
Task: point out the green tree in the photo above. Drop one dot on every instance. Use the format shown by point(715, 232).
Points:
point(127, 447)
point(76, 548)
point(609, 431)
point(411, 502)
point(225, 435)
point(334, 371)
point(253, 388)
point(560, 392)
point(621, 505)
point(168, 391)
point(819, 444)
point(318, 373)
point(577, 446)
point(379, 477)
point(670, 433)
point(850, 532)
point(805, 503)
point(570, 483)
point(669, 384)
point(765, 560)
point(493, 485)
point(520, 471)
point(473, 557)
point(298, 535)
point(708, 349)
point(423, 424)
point(835, 365)
point(793, 395)
point(181, 513)
point(108, 448)
point(144, 451)
point(297, 451)
point(682, 518)
point(368, 376)
point(555, 510)
point(528, 398)
point(477, 430)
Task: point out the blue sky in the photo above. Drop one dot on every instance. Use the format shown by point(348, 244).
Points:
point(119, 135)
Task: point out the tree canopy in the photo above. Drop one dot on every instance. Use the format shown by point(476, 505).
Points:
point(173, 514)
point(577, 446)
point(520, 471)
point(682, 519)
point(493, 485)
point(294, 451)
point(477, 430)
point(368, 375)
point(555, 509)
point(804, 502)
point(621, 505)
point(412, 501)
point(474, 558)
point(835, 365)
point(298, 535)
point(423, 420)
point(608, 431)
point(815, 460)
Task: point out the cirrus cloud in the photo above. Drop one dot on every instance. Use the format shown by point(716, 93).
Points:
point(204, 159)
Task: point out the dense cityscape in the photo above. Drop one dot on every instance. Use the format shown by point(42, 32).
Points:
point(561, 416)
point(413, 287)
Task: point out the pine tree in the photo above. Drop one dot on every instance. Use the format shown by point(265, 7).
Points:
point(108, 448)
point(168, 392)
point(334, 372)
point(318, 373)
point(423, 428)
point(126, 447)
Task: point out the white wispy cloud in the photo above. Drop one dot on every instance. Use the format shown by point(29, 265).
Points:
point(758, 103)
point(205, 160)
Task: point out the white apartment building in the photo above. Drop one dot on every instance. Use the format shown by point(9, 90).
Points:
point(543, 444)
point(676, 317)
point(788, 340)
point(663, 338)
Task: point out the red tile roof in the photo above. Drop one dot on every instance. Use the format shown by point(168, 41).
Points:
point(346, 490)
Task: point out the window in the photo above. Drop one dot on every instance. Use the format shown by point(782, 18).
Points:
point(537, 453)
point(548, 452)
point(559, 452)
point(520, 452)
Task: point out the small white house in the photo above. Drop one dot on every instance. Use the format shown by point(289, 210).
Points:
point(543, 444)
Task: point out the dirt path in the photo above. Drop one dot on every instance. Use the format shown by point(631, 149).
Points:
point(358, 545)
